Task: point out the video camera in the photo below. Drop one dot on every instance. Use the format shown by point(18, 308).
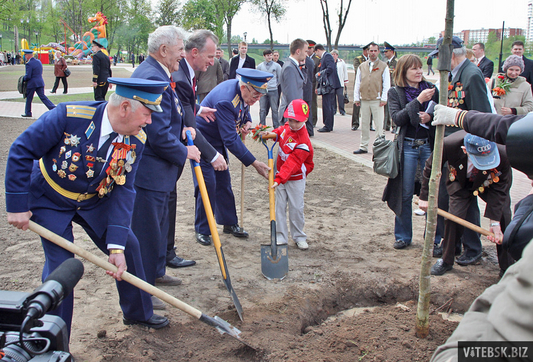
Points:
point(26, 333)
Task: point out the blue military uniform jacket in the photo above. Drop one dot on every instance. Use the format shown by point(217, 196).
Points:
point(232, 113)
point(65, 139)
point(165, 153)
point(34, 74)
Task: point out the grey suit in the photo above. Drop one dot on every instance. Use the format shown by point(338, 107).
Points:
point(292, 82)
point(225, 67)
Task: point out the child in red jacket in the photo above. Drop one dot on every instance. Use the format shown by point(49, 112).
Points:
point(294, 163)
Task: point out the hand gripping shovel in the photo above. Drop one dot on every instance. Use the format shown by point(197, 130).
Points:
point(274, 258)
point(214, 231)
point(221, 325)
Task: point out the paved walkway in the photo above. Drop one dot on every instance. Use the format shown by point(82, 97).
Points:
point(342, 140)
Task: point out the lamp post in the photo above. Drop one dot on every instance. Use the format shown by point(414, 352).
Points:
point(245, 33)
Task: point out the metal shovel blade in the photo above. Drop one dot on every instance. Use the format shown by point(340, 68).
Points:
point(274, 258)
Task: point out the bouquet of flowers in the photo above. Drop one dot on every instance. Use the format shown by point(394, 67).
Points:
point(258, 129)
point(502, 87)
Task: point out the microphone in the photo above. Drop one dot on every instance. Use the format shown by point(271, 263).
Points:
point(55, 288)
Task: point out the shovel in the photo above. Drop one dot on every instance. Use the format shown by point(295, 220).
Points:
point(221, 325)
point(214, 231)
point(274, 258)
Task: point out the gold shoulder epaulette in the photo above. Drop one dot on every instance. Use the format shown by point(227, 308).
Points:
point(80, 111)
point(236, 101)
point(141, 136)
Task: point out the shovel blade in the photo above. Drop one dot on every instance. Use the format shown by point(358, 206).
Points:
point(275, 266)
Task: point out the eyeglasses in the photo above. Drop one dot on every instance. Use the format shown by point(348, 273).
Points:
point(255, 94)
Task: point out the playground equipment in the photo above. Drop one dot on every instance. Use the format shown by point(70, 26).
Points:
point(98, 32)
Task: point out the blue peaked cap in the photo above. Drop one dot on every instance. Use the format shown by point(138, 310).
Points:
point(256, 78)
point(148, 92)
point(27, 51)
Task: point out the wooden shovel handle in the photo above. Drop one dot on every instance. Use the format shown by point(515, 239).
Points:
point(464, 223)
point(130, 278)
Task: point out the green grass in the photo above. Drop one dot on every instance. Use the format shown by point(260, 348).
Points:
point(62, 98)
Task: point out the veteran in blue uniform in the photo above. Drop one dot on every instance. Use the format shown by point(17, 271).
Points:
point(77, 163)
point(232, 100)
point(35, 82)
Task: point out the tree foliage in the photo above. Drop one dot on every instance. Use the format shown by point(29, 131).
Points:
point(167, 12)
point(202, 14)
point(228, 9)
point(272, 10)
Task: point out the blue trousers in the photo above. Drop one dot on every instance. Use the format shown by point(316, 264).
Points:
point(150, 224)
point(135, 303)
point(29, 98)
point(218, 184)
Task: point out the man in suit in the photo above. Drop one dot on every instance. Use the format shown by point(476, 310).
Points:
point(219, 54)
point(467, 91)
point(163, 159)
point(484, 64)
point(232, 100)
point(77, 180)
point(292, 78)
point(270, 100)
point(518, 49)
point(392, 60)
point(476, 167)
point(328, 69)
point(313, 113)
point(208, 79)
point(101, 71)
point(309, 89)
point(372, 83)
point(275, 57)
point(241, 61)
point(35, 82)
point(356, 63)
point(199, 55)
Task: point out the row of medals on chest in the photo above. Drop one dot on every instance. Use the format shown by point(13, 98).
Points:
point(494, 177)
point(121, 161)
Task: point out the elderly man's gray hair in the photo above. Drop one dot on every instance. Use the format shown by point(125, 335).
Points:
point(459, 52)
point(165, 35)
point(115, 100)
point(198, 39)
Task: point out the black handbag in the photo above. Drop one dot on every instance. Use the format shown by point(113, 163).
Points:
point(21, 86)
point(386, 157)
point(346, 98)
point(67, 72)
point(322, 84)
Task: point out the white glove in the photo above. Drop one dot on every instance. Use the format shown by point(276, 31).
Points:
point(444, 115)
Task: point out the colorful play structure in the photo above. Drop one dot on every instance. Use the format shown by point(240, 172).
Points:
point(81, 49)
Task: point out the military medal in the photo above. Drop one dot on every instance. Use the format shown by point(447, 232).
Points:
point(54, 166)
point(453, 173)
point(74, 140)
point(68, 154)
point(72, 167)
point(475, 193)
point(121, 180)
point(90, 148)
point(76, 157)
point(62, 150)
point(64, 165)
point(72, 177)
point(61, 173)
point(127, 166)
point(90, 158)
point(481, 189)
point(90, 171)
point(67, 139)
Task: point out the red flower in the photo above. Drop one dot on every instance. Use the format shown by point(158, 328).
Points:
point(501, 76)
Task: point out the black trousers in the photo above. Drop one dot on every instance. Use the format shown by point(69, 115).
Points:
point(328, 109)
point(56, 84)
point(100, 91)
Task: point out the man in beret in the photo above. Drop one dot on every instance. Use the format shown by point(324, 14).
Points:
point(88, 155)
point(101, 71)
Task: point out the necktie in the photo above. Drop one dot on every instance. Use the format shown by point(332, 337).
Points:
point(194, 86)
point(371, 65)
point(102, 153)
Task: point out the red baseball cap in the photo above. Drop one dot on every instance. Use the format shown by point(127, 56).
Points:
point(298, 110)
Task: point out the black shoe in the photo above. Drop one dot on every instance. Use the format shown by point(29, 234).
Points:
point(463, 261)
point(324, 129)
point(178, 262)
point(26, 115)
point(359, 151)
point(64, 92)
point(354, 128)
point(400, 244)
point(437, 251)
point(235, 230)
point(343, 113)
point(156, 322)
point(440, 267)
point(205, 240)
point(372, 129)
point(53, 92)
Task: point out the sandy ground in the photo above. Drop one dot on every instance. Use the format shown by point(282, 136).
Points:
point(307, 316)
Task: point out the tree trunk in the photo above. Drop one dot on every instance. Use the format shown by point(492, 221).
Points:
point(270, 31)
point(228, 37)
point(424, 296)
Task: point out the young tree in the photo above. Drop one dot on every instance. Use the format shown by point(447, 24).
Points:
point(167, 12)
point(342, 15)
point(272, 9)
point(201, 14)
point(228, 9)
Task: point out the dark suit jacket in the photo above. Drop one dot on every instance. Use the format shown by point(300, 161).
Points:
point(328, 66)
point(34, 74)
point(473, 86)
point(101, 67)
point(291, 82)
point(225, 67)
point(496, 195)
point(309, 80)
point(165, 153)
point(190, 108)
point(528, 70)
point(486, 66)
point(249, 62)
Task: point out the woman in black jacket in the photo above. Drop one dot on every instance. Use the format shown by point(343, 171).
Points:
point(408, 105)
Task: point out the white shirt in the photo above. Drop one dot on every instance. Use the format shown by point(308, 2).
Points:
point(386, 85)
point(342, 72)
